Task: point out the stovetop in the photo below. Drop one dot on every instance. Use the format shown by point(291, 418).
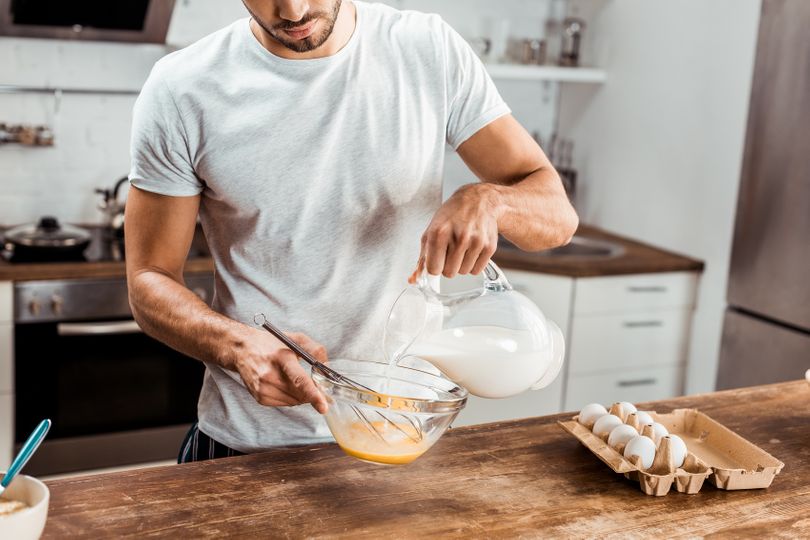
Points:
point(107, 246)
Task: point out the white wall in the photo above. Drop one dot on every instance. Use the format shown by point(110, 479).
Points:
point(659, 146)
point(92, 131)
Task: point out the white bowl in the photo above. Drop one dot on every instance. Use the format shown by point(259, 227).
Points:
point(26, 524)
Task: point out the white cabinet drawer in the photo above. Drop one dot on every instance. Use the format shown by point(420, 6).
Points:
point(607, 342)
point(633, 385)
point(547, 400)
point(6, 357)
point(635, 292)
point(6, 301)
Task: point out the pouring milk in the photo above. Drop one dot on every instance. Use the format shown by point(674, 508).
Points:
point(493, 341)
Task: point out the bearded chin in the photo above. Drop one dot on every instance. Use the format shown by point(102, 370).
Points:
point(309, 43)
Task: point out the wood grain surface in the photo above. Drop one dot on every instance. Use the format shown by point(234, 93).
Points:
point(638, 258)
point(526, 478)
point(82, 270)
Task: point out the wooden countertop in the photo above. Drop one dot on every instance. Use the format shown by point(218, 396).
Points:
point(83, 270)
point(526, 478)
point(638, 258)
point(97, 267)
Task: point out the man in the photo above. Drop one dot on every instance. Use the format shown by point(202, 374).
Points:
point(311, 140)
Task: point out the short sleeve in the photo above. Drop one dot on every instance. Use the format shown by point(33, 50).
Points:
point(473, 100)
point(159, 148)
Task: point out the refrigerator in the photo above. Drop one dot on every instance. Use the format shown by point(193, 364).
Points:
point(766, 330)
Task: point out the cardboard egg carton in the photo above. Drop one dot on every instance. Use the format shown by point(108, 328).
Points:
point(713, 451)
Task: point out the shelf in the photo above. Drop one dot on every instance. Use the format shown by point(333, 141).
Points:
point(16, 89)
point(547, 73)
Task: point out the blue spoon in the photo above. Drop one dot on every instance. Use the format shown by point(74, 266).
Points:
point(27, 450)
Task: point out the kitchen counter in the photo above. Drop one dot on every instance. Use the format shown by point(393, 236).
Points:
point(83, 270)
point(637, 258)
point(97, 266)
point(520, 478)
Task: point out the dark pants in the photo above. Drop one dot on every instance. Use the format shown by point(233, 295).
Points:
point(197, 446)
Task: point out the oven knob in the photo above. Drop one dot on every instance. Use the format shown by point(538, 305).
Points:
point(34, 307)
point(199, 291)
point(56, 304)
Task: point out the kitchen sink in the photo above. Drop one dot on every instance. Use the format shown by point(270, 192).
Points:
point(580, 247)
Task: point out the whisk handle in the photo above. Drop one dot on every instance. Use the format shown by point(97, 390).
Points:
point(261, 320)
point(292, 345)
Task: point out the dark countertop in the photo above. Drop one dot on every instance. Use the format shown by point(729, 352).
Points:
point(97, 265)
point(525, 478)
point(638, 258)
point(83, 270)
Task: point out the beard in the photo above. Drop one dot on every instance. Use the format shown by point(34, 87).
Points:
point(308, 43)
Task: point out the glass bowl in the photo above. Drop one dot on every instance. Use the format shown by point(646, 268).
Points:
point(409, 410)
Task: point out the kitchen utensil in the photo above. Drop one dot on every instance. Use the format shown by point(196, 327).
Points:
point(413, 432)
point(532, 51)
point(28, 448)
point(47, 240)
point(571, 41)
point(432, 403)
point(112, 208)
point(552, 155)
point(492, 340)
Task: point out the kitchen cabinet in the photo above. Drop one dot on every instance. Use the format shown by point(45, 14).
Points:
point(6, 372)
point(627, 338)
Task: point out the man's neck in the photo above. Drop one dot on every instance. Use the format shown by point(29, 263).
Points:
point(341, 33)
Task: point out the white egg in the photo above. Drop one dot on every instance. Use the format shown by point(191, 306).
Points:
point(591, 413)
point(659, 431)
point(644, 418)
point(621, 434)
point(605, 424)
point(627, 408)
point(678, 448)
point(644, 448)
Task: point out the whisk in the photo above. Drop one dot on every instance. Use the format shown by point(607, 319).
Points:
point(334, 376)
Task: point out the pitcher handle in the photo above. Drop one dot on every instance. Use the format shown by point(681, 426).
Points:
point(494, 279)
point(557, 356)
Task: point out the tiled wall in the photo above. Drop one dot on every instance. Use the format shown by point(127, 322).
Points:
point(92, 131)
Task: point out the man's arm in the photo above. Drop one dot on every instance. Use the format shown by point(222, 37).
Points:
point(521, 197)
point(159, 232)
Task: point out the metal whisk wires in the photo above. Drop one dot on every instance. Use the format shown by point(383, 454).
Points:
point(334, 376)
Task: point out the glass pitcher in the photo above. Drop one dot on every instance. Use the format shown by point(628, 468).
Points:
point(493, 341)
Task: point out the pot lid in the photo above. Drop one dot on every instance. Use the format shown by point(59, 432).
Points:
point(48, 232)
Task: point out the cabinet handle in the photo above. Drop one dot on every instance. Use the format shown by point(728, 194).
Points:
point(98, 328)
point(642, 324)
point(637, 382)
point(647, 288)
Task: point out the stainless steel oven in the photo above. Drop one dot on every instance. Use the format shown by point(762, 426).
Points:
point(115, 395)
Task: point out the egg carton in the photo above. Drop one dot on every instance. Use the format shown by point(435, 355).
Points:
point(714, 452)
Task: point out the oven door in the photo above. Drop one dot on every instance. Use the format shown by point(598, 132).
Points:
point(115, 395)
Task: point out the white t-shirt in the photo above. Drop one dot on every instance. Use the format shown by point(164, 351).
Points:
point(317, 177)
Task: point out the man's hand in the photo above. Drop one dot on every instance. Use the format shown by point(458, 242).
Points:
point(521, 197)
point(463, 234)
point(272, 374)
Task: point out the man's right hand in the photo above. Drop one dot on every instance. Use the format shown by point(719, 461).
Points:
point(272, 373)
